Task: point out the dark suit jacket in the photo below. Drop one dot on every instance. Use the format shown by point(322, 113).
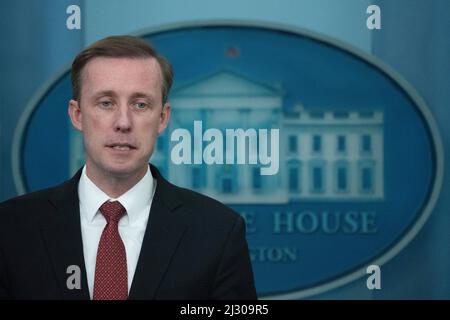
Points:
point(194, 247)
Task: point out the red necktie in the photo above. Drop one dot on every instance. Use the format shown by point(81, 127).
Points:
point(111, 279)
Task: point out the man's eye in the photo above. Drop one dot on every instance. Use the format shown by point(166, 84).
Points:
point(105, 104)
point(141, 105)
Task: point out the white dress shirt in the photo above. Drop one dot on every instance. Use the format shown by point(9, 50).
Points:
point(137, 202)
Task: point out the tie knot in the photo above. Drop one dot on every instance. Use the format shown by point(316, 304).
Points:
point(112, 211)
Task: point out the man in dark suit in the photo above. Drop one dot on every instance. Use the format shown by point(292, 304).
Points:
point(118, 229)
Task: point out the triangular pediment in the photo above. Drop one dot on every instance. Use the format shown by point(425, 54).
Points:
point(225, 83)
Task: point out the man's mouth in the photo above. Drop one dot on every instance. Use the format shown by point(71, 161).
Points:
point(121, 146)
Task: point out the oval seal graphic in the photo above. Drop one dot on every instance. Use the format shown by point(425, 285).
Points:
point(354, 169)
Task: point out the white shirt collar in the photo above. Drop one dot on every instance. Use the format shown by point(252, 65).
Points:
point(134, 200)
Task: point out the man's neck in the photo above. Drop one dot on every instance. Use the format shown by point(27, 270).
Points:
point(114, 185)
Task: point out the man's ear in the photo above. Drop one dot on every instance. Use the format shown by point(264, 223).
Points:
point(75, 114)
point(164, 118)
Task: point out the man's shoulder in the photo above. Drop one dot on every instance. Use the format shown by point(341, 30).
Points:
point(29, 202)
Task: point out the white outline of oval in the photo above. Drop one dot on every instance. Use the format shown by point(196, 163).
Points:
point(375, 62)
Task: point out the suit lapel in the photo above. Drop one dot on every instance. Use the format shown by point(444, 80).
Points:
point(165, 228)
point(62, 235)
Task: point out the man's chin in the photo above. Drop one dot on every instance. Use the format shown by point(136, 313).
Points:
point(115, 168)
point(124, 171)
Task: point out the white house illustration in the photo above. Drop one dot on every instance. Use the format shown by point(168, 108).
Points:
point(326, 154)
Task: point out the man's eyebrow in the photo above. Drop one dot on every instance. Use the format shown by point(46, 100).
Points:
point(111, 93)
point(103, 93)
point(141, 95)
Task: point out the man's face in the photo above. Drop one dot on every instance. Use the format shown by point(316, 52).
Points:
point(120, 114)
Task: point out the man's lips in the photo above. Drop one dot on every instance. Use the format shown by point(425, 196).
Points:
point(121, 146)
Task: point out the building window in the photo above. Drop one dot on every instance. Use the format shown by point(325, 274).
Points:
point(366, 143)
point(227, 185)
point(317, 176)
point(342, 179)
point(198, 177)
point(294, 178)
point(317, 143)
point(293, 144)
point(341, 144)
point(256, 178)
point(317, 179)
point(366, 114)
point(367, 177)
point(226, 179)
point(316, 114)
point(341, 114)
point(342, 176)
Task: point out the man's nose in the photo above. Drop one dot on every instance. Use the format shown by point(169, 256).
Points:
point(123, 119)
